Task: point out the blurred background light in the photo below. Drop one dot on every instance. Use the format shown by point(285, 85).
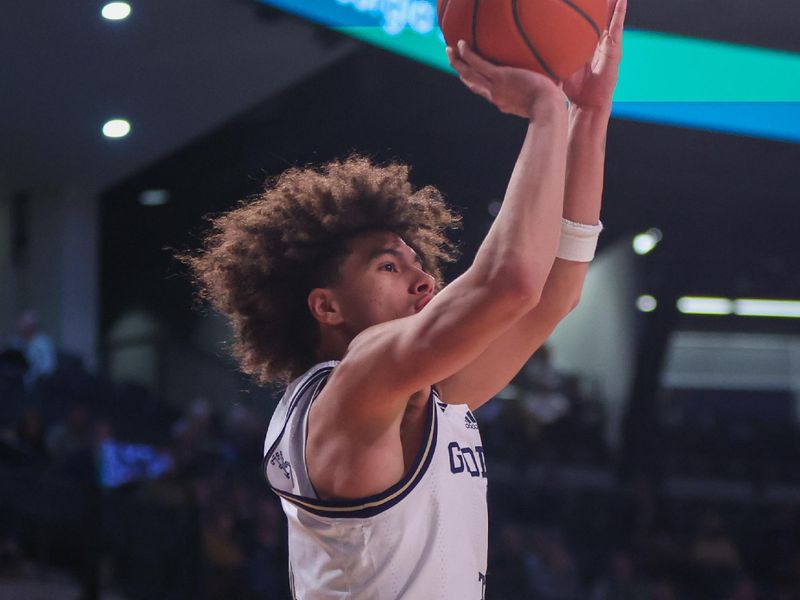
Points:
point(753, 307)
point(116, 11)
point(645, 242)
point(646, 303)
point(116, 128)
point(743, 307)
point(154, 197)
point(694, 305)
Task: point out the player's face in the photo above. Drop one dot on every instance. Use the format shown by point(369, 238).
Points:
point(381, 279)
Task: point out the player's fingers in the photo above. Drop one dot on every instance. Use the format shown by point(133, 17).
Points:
point(472, 58)
point(466, 72)
point(610, 47)
point(617, 21)
point(610, 6)
point(476, 78)
point(608, 55)
point(450, 56)
point(455, 58)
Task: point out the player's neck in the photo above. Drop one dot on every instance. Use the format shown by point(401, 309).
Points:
point(332, 345)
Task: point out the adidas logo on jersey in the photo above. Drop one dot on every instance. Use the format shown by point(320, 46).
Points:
point(470, 422)
point(442, 405)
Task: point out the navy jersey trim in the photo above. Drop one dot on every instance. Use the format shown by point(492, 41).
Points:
point(378, 503)
point(318, 378)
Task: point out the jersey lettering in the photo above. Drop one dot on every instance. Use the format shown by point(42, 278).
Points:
point(463, 459)
point(479, 450)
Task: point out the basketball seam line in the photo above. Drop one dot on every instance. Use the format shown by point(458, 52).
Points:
point(585, 15)
point(475, 26)
point(442, 10)
point(528, 43)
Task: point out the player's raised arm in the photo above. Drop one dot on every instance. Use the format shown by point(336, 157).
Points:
point(526, 231)
point(590, 91)
point(390, 361)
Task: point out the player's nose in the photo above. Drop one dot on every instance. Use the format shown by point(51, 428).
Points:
point(423, 283)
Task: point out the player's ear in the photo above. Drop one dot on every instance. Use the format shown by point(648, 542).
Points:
point(324, 307)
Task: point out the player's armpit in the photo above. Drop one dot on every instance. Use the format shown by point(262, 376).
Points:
point(496, 366)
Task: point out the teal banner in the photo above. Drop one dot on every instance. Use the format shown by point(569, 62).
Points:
point(665, 78)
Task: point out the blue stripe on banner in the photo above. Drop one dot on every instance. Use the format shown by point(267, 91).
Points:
point(771, 120)
point(338, 13)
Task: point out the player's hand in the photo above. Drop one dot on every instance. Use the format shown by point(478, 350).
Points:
point(514, 91)
point(592, 86)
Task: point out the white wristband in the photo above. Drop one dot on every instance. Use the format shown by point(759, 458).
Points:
point(578, 241)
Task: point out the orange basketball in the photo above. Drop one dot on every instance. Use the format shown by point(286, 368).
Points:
point(553, 37)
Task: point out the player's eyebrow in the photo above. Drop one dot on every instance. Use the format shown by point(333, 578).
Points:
point(378, 252)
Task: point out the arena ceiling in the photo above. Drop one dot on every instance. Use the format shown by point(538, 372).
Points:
point(182, 68)
point(224, 92)
point(176, 69)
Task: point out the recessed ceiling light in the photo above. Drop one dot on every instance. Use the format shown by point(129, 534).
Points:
point(116, 128)
point(116, 11)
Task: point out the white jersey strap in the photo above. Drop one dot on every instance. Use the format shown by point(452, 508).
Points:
point(283, 452)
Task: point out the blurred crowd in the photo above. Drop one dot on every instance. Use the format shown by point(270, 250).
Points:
point(715, 517)
point(105, 480)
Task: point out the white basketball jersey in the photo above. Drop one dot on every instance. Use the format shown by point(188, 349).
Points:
point(424, 538)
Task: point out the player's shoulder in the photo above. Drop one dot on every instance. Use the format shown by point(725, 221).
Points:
point(295, 400)
point(447, 406)
point(300, 390)
point(317, 374)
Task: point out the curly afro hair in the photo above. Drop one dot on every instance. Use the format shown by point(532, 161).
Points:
point(260, 260)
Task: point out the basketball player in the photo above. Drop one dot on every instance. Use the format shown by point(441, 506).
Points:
point(331, 279)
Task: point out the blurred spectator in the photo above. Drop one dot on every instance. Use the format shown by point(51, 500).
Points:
point(224, 556)
point(75, 434)
point(543, 388)
point(662, 590)
point(195, 435)
point(246, 432)
point(713, 549)
point(30, 436)
point(621, 582)
point(508, 573)
point(552, 569)
point(773, 546)
point(745, 590)
point(13, 366)
point(540, 371)
point(267, 564)
point(36, 346)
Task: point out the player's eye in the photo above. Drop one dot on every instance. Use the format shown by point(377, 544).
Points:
point(390, 267)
